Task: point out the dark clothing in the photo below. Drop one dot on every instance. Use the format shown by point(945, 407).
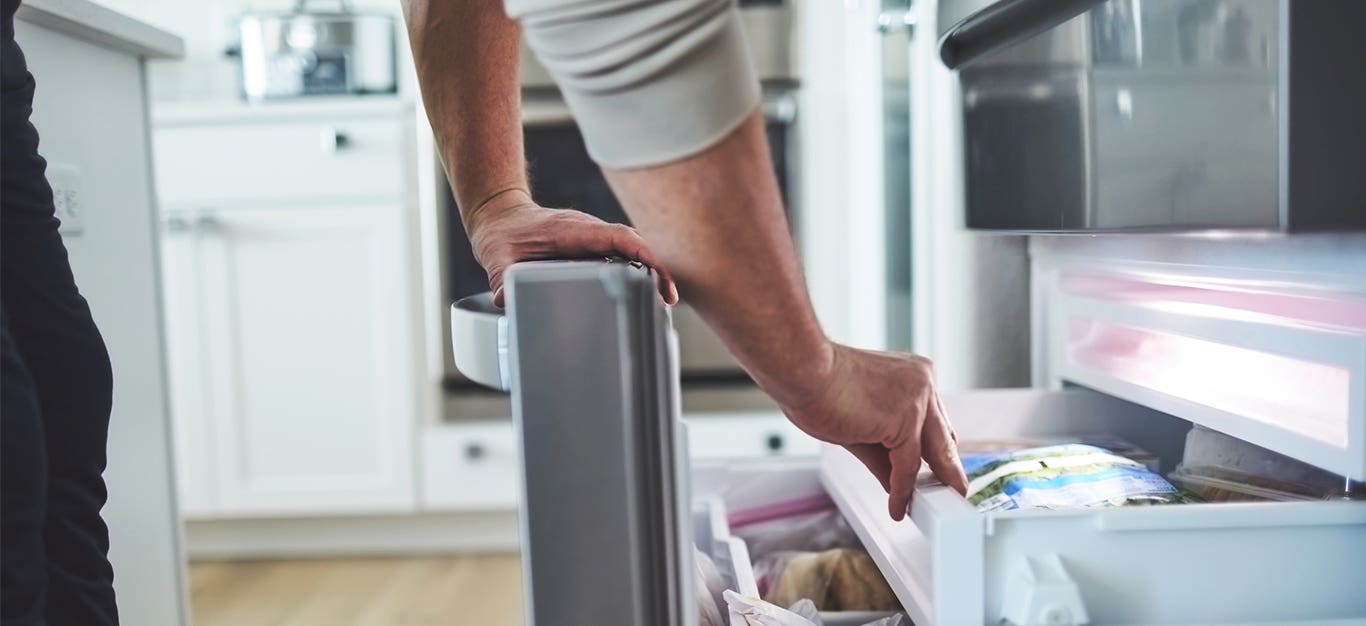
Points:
point(56, 395)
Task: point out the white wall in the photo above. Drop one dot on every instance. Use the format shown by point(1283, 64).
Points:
point(115, 266)
point(840, 189)
point(970, 290)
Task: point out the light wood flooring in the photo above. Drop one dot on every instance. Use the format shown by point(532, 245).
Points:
point(483, 590)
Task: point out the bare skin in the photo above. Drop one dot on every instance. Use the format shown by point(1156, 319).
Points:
point(715, 220)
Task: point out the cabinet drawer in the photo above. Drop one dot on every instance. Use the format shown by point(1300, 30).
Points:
point(242, 164)
point(1172, 564)
point(470, 466)
point(746, 435)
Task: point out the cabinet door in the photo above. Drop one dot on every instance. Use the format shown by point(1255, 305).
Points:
point(311, 368)
point(191, 419)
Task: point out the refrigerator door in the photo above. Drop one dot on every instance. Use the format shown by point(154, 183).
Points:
point(592, 369)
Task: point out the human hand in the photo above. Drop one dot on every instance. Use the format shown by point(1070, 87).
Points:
point(883, 408)
point(512, 229)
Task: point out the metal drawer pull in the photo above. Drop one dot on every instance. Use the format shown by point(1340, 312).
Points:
point(208, 224)
point(175, 224)
point(334, 140)
point(896, 22)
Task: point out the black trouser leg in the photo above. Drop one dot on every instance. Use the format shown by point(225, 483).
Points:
point(23, 494)
point(53, 333)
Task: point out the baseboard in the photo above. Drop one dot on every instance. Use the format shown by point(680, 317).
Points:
point(421, 534)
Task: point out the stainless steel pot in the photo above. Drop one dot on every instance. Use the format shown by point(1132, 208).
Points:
point(308, 52)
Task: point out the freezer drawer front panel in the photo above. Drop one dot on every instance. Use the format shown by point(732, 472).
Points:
point(593, 365)
point(1173, 564)
point(1272, 362)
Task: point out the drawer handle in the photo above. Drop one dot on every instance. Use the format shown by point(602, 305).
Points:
point(208, 224)
point(774, 443)
point(475, 452)
point(175, 224)
point(334, 140)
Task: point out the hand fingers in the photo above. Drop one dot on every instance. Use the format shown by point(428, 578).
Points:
point(905, 460)
point(939, 403)
point(874, 457)
point(496, 285)
point(618, 239)
point(629, 241)
point(941, 453)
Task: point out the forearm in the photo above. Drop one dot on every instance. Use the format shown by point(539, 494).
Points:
point(716, 221)
point(466, 54)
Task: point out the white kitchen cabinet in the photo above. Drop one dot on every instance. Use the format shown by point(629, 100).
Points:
point(471, 467)
point(289, 290)
point(181, 276)
point(288, 334)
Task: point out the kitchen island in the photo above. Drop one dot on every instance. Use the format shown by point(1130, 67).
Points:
point(91, 111)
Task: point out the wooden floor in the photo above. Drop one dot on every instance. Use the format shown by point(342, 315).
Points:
point(435, 591)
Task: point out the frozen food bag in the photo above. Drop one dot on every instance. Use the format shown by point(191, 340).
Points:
point(835, 580)
point(1229, 468)
point(757, 612)
point(806, 608)
point(1062, 476)
point(708, 584)
point(1215, 484)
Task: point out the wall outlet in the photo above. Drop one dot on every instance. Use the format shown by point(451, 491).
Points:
point(68, 196)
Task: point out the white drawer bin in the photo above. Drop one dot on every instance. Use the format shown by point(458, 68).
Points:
point(720, 487)
point(1290, 563)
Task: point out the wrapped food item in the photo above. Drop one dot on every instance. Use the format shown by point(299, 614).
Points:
point(1214, 484)
point(810, 531)
point(1062, 476)
point(1230, 469)
point(842, 579)
point(709, 585)
point(772, 541)
point(757, 612)
point(1110, 443)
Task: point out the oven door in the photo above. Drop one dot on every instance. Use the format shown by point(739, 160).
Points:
point(563, 175)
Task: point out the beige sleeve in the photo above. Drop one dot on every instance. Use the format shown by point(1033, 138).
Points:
point(648, 81)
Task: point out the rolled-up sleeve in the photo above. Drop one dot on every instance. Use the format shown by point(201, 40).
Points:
point(648, 81)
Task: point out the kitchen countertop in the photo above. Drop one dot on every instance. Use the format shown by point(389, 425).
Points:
point(169, 114)
point(97, 23)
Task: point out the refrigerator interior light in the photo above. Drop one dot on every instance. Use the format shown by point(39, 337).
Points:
point(1305, 397)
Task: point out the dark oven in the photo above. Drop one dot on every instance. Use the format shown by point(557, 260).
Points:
point(563, 176)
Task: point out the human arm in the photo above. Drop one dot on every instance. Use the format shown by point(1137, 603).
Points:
point(466, 53)
point(716, 220)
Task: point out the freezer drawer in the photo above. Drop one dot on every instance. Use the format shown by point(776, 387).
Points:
point(1288, 563)
point(723, 488)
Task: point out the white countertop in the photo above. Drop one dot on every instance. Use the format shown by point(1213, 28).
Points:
point(99, 24)
point(311, 108)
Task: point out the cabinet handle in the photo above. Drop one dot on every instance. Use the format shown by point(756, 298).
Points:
point(774, 443)
point(334, 140)
point(896, 21)
point(208, 224)
point(174, 224)
point(475, 452)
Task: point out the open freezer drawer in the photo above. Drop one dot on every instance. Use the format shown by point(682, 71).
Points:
point(1290, 563)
